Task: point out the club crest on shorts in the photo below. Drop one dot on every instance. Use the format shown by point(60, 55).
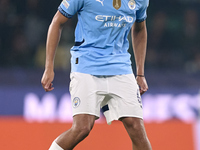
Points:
point(132, 4)
point(76, 102)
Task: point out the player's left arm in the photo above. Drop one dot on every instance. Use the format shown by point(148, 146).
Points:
point(139, 42)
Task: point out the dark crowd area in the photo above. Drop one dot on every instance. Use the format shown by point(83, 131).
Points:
point(173, 34)
point(23, 27)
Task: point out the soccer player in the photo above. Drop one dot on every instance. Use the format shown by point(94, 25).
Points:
point(101, 72)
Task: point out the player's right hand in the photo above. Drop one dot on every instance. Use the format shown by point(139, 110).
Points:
point(47, 80)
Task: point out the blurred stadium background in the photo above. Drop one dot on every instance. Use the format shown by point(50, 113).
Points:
point(31, 119)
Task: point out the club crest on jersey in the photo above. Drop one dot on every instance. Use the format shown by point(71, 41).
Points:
point(132, 4)
point(65, 3)
point(76, 102)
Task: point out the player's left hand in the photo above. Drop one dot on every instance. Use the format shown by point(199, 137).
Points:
point(141, 81)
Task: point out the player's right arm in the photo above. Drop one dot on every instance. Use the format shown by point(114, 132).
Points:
point(53, 39)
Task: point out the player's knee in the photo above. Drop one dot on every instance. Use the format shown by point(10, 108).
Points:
point(82, 130)
point(133, 126)
point(85, 131)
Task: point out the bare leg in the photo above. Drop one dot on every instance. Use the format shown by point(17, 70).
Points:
point(82, 125)
point(137, 133)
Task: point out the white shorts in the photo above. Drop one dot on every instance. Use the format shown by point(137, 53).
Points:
point(118, 96)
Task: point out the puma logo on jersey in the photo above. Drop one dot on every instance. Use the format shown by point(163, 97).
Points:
point(101, 1)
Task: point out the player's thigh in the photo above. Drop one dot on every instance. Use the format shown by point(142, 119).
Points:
point(83, 89)
point(126, 87)
point(126, 96)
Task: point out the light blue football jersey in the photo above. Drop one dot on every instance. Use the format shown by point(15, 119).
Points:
point(101, 44)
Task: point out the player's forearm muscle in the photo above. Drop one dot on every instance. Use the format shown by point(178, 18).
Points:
point(53, 39)
point(52, 43)
point(139, 42)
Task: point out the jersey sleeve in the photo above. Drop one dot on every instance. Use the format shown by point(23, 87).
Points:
point(141, 14)
point(69, 7)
